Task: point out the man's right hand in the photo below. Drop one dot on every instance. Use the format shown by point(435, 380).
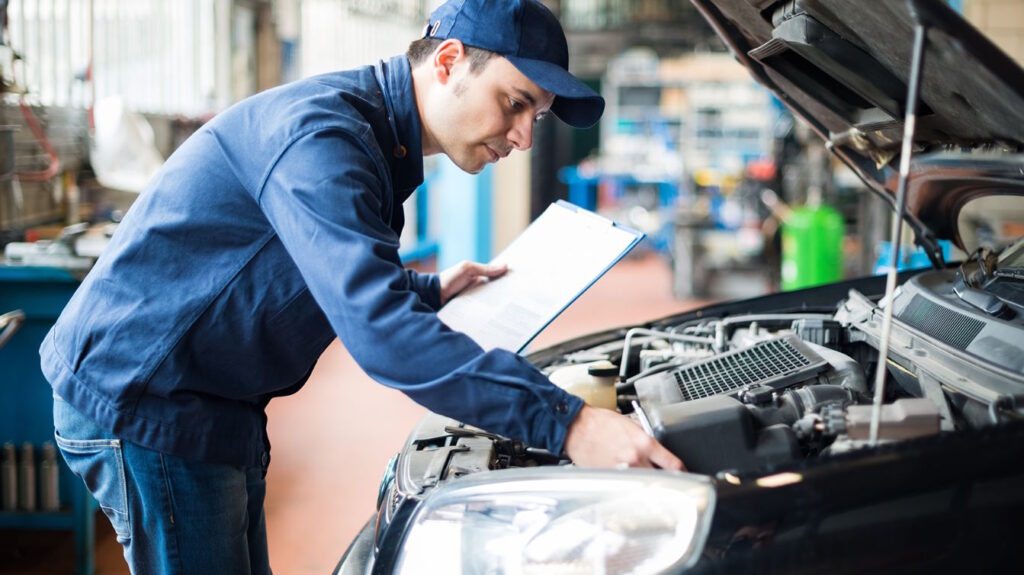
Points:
point(604, 438)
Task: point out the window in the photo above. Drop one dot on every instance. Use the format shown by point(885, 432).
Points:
point(159, 55)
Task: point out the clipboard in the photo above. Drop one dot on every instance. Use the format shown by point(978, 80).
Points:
point(557, 258)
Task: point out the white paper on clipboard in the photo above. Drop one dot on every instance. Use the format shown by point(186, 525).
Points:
point(561, 254)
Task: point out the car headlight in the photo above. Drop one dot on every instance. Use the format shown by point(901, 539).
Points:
point(561, 521)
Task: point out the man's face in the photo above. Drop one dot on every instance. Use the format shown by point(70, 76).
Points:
point(481, 117)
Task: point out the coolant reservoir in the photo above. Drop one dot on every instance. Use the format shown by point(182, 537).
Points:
point(593, 382)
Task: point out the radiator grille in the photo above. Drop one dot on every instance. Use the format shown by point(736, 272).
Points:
point(777, 362)
point(943, 324)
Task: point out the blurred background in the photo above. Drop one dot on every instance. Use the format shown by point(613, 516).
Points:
point(737, 199)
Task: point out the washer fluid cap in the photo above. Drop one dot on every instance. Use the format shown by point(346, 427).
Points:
point(603, 368)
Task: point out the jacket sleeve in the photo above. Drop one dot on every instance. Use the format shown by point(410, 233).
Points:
point(324, 198)
point(428, 286)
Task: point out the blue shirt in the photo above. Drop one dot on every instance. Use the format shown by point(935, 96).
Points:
point(271, 230)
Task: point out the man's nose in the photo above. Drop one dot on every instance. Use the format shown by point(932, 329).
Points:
point(521, 134)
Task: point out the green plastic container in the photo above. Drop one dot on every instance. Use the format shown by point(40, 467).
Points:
point(812, 247)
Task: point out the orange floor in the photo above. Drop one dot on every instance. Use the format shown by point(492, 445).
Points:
point(332, 440)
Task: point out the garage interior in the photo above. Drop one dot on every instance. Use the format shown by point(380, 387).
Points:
point(690, 151)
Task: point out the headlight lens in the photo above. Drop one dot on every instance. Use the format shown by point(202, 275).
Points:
point(562, 521)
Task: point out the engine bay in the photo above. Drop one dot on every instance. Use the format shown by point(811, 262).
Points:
point(752, 392)
point(758, 391)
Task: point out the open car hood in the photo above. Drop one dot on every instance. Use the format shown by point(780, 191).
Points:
point(843, 66)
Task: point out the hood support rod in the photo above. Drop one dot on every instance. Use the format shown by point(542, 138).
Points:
point(909, 125)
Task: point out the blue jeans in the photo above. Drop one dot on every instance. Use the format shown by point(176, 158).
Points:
point(171, 515)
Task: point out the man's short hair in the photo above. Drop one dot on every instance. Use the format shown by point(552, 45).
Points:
point(420, 50)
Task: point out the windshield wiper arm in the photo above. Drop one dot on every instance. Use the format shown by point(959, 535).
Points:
point(982, 300)
point(1011, 273)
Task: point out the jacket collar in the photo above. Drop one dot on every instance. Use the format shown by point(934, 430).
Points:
point(400, 99)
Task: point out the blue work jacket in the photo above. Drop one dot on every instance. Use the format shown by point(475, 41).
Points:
point(270, 231)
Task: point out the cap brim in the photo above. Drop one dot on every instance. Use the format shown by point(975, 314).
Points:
point(575, 103)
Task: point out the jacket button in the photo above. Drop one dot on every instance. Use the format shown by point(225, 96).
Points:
point(562, 407)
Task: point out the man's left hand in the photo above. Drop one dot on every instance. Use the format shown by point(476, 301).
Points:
point(467, 274)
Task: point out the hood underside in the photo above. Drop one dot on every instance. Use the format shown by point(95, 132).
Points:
point(843, 66)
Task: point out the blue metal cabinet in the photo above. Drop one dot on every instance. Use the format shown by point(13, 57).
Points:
point(26, 401)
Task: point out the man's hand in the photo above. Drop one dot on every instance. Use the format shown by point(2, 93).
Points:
point(604, 438)
point(466, 274)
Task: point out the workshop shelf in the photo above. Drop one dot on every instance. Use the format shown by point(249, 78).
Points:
point(26, 400)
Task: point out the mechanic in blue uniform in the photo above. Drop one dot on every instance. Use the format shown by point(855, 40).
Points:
point(271, 231)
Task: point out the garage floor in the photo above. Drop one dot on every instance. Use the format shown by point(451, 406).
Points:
point(332, 440)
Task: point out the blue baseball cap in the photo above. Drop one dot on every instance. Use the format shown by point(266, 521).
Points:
point(527, 34)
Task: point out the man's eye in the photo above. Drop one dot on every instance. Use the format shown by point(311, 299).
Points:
point(516, 105)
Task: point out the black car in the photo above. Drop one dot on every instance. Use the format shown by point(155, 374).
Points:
point(850, 427)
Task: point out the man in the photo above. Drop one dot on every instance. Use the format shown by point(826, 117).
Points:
point(272, 230)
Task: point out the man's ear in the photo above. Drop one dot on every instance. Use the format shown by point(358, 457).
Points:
point(446, 56)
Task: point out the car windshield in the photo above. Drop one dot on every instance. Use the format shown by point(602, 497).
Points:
point(1012, 258)
point(992, 222)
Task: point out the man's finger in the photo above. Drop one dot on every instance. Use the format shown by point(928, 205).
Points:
point(491, 271)
point(664, 459)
